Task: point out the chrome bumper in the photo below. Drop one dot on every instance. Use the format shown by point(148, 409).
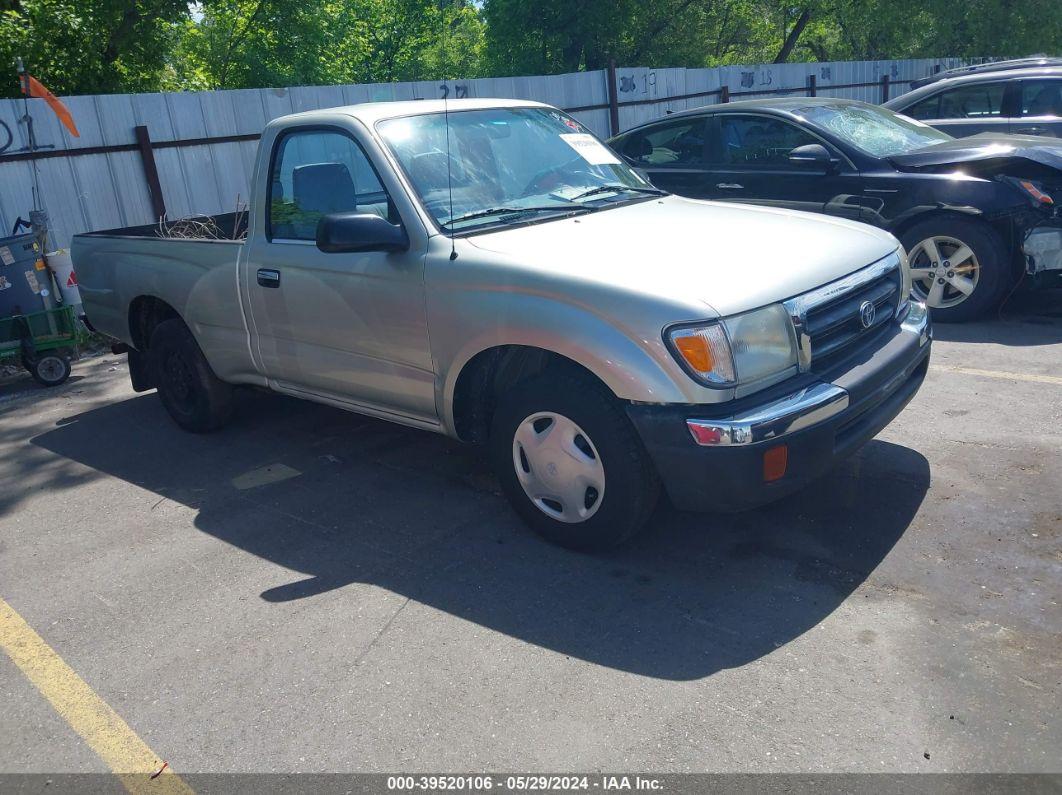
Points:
point(809, 406)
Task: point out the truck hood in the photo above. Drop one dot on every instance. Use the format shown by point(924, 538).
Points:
point(986, 148)
point(730, 257)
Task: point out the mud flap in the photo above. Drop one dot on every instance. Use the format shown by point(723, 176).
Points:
point(140, 371)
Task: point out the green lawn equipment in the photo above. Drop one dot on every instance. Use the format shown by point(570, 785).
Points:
point(45, 342)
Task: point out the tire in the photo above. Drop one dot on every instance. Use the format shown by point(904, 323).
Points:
point(600, 444)
point(48, 369)
point(987, 274)
point(197, 399)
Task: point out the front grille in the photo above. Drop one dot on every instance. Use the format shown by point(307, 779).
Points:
point(830, 318)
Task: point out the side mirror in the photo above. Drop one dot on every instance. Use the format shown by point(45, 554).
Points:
point(812, 155)
point(354, 231)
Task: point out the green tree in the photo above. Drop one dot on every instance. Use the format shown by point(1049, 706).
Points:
point(88, 46)
point(100, 46)
point(252, 43)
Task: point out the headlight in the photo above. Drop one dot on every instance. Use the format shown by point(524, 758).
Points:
point(738, 350)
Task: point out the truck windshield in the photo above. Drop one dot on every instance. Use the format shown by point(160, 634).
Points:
point(877, 131)
point(507, 165)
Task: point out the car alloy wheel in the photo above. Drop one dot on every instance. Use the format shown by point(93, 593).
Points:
point(558, 467)
point(944, 271)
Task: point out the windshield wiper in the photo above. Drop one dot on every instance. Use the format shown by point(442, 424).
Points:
point(616, 189)
point(566, 208)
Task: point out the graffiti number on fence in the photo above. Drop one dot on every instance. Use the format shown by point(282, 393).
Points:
point(460, 91)
point(5, 137)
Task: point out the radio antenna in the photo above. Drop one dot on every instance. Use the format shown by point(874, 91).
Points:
point(449, 171)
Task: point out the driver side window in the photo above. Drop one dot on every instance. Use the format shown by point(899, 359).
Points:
point(318, 172)
point(759, 140)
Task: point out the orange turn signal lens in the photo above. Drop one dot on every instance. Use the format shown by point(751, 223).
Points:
point(695, 351)
point(1036, 193)
point(704, 351)
point(774, 462)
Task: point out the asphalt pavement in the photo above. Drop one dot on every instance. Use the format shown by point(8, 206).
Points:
point(310, 590)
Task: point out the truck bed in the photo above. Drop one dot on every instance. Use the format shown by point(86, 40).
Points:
point(231, 227)
point(119, 269)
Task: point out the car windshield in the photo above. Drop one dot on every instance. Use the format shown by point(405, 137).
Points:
point(877, 131)
point(507, 165)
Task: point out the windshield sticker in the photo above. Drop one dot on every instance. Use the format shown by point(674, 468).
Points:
point(5, 255)
point(590, 149)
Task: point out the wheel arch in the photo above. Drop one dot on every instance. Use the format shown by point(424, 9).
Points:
point(145, 313)
point(904, 225)
point(485, 376)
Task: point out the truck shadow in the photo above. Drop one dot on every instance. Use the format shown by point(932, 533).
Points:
point(420, 515)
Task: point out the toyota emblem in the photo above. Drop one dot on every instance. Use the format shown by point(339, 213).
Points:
point(866, 314)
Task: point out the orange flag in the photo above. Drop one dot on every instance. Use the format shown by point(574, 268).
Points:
point(32, 87)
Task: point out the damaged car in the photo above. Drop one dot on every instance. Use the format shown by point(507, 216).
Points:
point(978, 216)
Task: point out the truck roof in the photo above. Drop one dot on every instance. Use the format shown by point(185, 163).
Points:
point(372, 112)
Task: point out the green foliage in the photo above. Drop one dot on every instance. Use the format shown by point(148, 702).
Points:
point(249, 43)
point(88, 46)
point(101, 46)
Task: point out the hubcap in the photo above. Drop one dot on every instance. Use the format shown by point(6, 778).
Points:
point(944, 271)
point(558, 467)
point(50, 368)
point(178, 379)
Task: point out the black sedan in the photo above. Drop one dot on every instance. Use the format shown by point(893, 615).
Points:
point(976, 215)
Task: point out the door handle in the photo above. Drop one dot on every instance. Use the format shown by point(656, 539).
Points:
point(268, 278)
point(1036, 130)
point(729, 186)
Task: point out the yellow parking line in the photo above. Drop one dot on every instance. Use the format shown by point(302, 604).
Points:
point(1036, 379)
point(100, 726)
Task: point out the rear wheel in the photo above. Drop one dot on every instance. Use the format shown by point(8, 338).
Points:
point(571, 463)
point(959, 267)
point(197, 399)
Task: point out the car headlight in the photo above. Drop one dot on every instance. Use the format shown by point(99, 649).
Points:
point(741, 349)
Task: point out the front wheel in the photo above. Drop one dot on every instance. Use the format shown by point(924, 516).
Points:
point(959, 267)
point(570, 462)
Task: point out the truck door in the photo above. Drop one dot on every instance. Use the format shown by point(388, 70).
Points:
point(347, 326)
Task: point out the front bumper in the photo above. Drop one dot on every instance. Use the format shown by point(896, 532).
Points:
point(712, 462)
